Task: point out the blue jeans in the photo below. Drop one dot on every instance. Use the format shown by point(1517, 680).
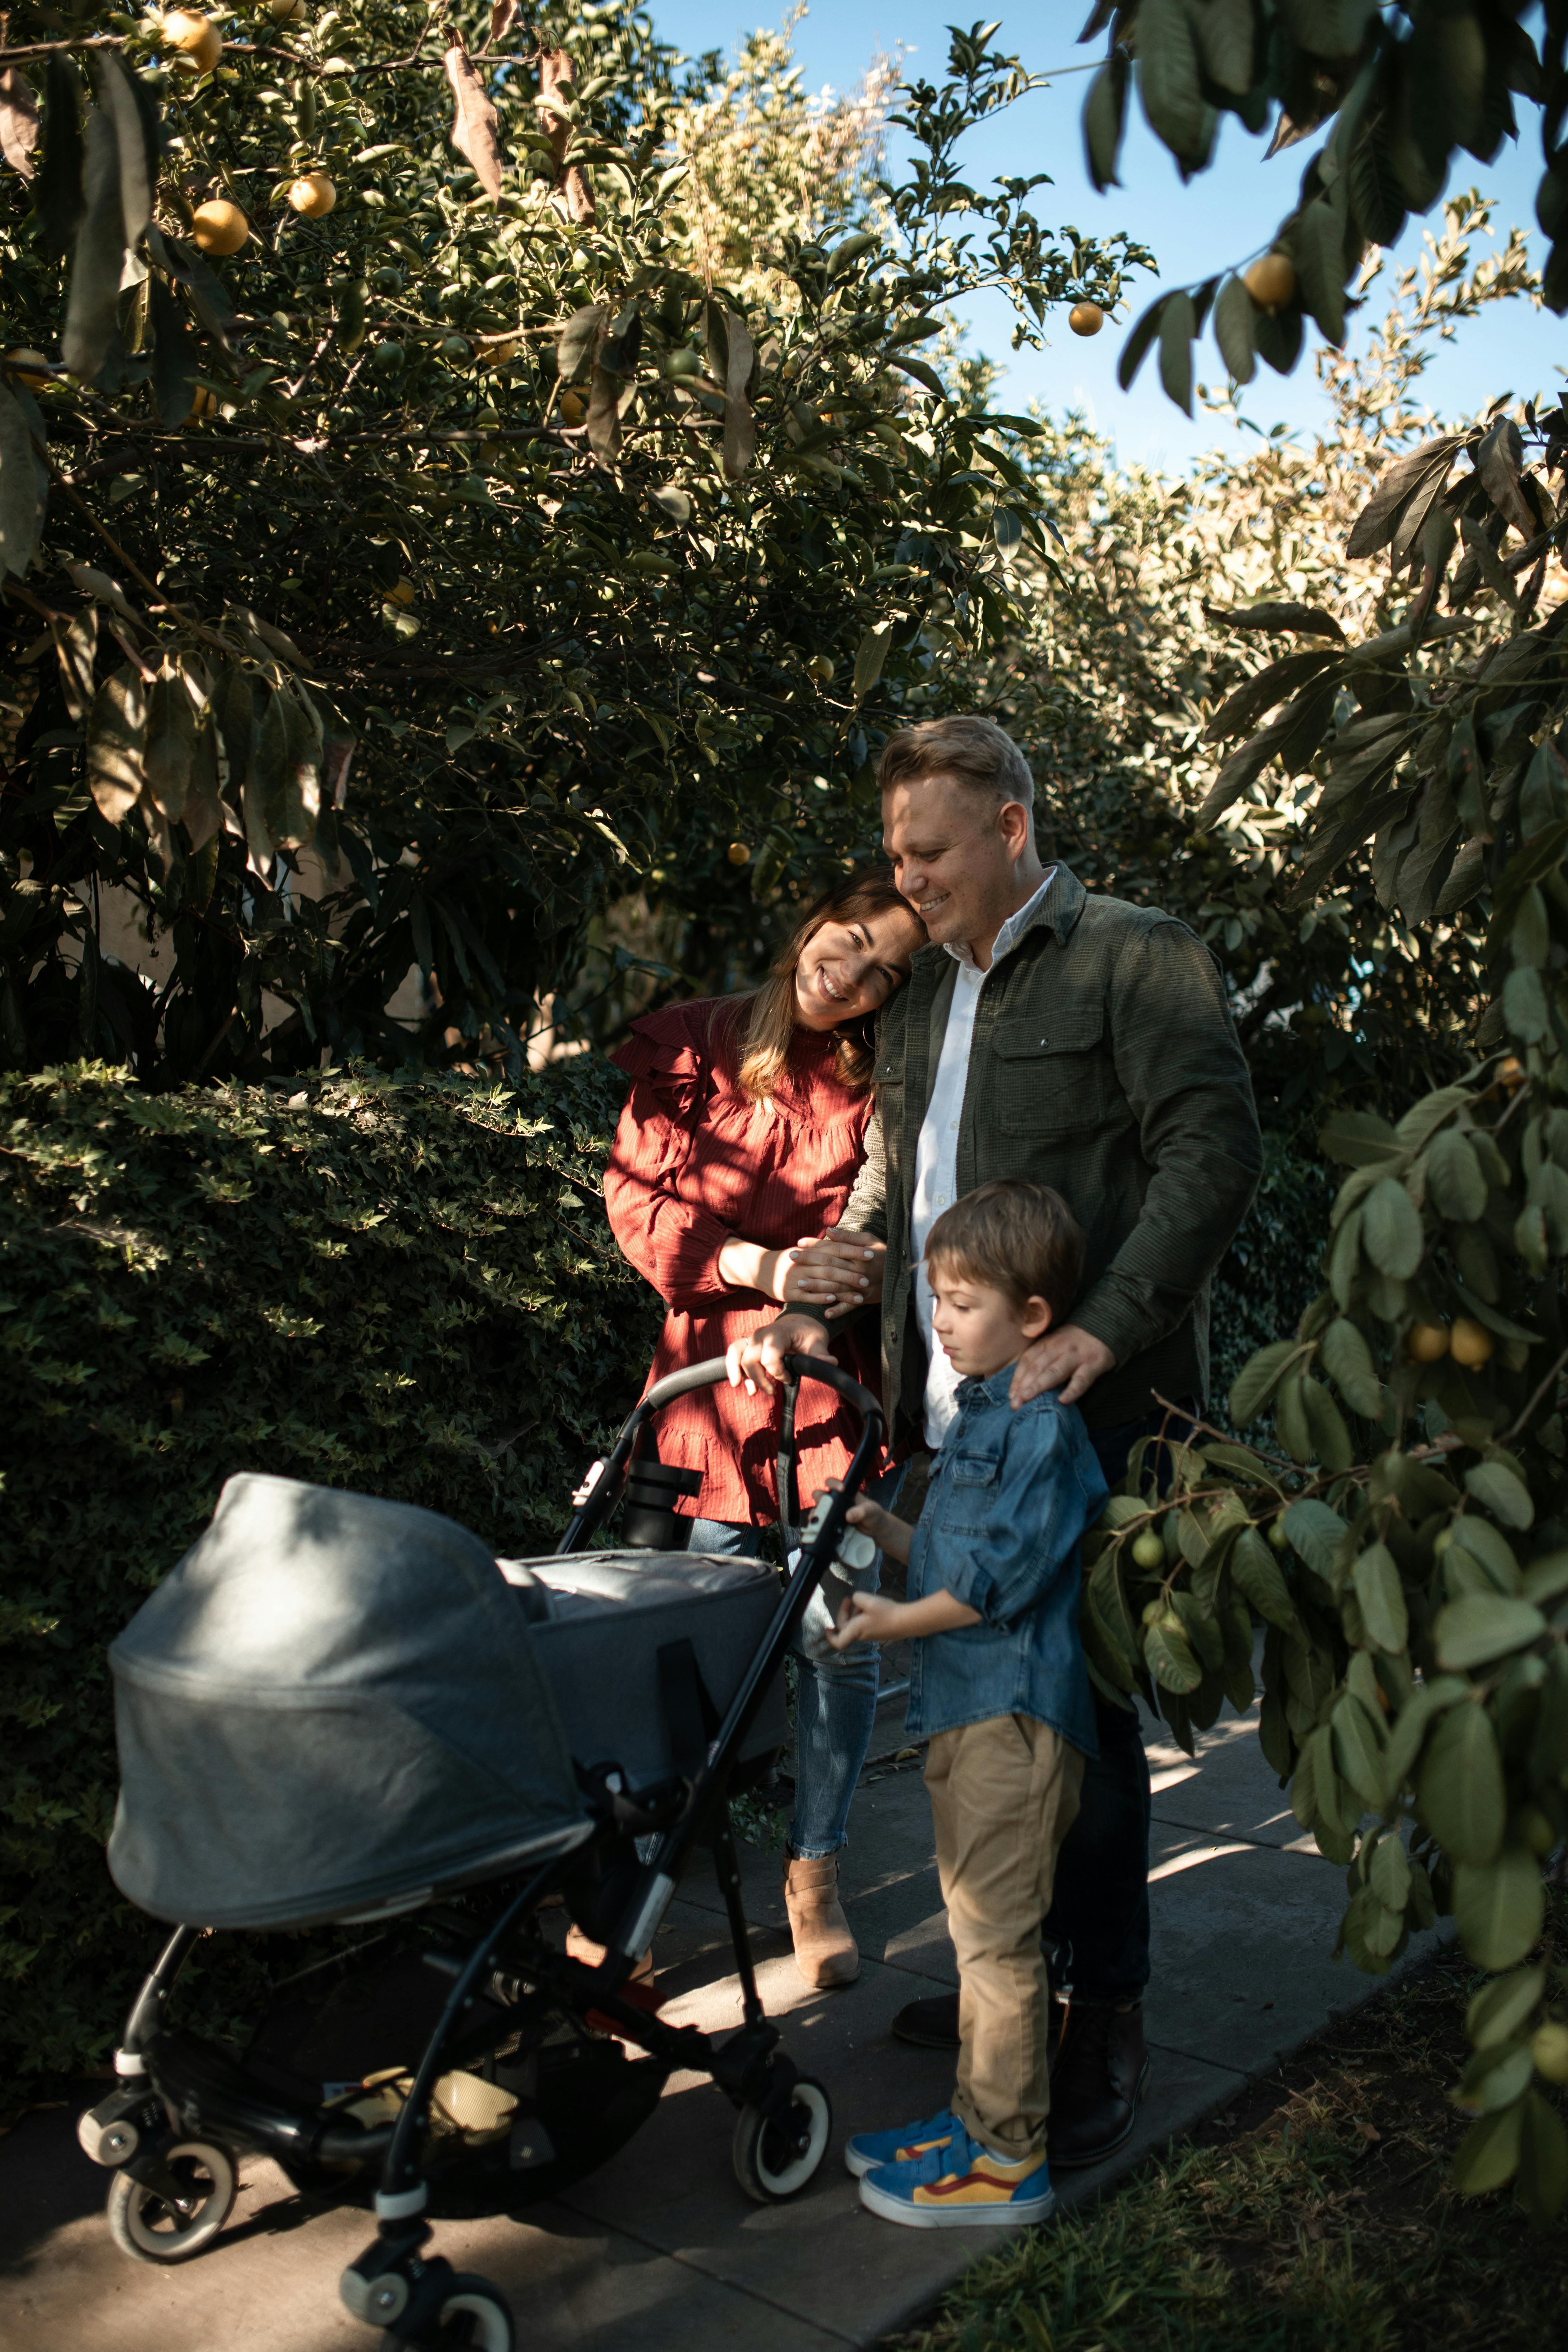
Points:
point(1099, 1918)
point(835, 1705)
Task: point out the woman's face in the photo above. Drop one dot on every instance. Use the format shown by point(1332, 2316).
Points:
point(852, 967)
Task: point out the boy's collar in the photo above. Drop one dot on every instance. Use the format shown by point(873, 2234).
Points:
point(993, 1386)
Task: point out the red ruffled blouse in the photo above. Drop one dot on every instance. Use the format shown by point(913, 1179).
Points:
point(695, 1165)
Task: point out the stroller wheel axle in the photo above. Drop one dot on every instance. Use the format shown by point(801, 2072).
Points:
point(425, 2304)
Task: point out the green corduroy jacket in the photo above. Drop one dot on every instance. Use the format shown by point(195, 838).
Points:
point(1105, 1062)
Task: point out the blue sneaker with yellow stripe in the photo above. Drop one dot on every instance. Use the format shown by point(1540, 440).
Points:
point(869, 2150)
point(959, 2185)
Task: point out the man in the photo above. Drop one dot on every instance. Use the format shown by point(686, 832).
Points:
point(1087, 1044)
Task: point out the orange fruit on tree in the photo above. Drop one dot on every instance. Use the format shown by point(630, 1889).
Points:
point(220, 226)
point(1511, 1073)
point(21, 373)
point(1271, 282)
point(312, 195)
point(739, 853)
point(1086, 318)
point(203, 403)
point(1472, 1344)
point(1428, 1343)
point(285, 12)
point(194, 36)
point(400, 593)
point(573, 407)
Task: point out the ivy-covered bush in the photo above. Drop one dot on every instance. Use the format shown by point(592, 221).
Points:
point(407, 1289)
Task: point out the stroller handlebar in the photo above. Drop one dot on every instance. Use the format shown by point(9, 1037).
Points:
point(797, 1368)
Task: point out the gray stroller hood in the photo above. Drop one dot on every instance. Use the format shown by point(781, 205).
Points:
point(331, 1707)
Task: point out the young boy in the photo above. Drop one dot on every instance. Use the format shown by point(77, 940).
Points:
point(1000, 1688)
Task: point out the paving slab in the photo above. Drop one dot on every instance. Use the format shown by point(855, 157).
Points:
point(660, 2251)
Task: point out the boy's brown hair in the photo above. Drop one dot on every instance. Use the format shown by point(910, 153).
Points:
point(974, 749)
point(1017, 1237)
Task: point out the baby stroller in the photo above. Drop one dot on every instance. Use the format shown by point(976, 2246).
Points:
point(340, 1711)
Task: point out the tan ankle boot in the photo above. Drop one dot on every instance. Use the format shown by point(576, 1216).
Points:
point(825, 1949)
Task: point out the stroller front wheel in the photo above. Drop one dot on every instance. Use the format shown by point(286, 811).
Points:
point(151, 2229)
point(775, 2159)
point(473, 2317)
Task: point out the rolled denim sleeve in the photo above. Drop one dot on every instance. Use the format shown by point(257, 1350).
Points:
point(1046, 1495)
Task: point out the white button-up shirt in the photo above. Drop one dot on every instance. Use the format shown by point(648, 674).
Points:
point(936, 1154)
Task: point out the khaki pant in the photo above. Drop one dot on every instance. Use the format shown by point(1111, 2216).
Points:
point(1003, 1794)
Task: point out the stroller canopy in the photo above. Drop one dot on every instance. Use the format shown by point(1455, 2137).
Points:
point(331, 1707)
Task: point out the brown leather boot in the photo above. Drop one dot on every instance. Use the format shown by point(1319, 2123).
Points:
point(825, 1950)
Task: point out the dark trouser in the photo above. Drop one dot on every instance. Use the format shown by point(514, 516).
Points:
point(1099, 1918)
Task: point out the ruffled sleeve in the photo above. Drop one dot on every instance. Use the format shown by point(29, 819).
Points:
point(653, 1183)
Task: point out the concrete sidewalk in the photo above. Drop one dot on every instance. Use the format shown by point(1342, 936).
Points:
point(660, 2251)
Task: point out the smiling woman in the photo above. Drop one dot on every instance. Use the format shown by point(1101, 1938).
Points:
point(740, 1138)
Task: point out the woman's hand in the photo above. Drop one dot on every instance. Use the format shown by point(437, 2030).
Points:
point(835, 1270)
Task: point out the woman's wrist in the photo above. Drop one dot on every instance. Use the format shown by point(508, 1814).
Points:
point(746, 1265)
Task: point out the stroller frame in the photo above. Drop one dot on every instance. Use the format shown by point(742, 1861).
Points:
point(185, 2104)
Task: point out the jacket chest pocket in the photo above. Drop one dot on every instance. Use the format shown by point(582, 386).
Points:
point(971, 1486)
point(1054, 1073)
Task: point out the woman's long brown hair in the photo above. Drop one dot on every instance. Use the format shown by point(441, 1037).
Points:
point(771, 1020)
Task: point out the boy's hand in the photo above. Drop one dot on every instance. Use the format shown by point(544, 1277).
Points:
point(893, 1535)
point(865, 1617)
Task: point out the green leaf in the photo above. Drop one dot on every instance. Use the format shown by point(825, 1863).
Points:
point(1481, 1626)
point(1135, 349)
point(1178, 326)
point(1168, 81)
point(1547, 1578)
point(1491, 1547)
point(116, 735)
point(1496, 2014)
point(1256, 1574)
point(1456, 1183)
point(1104, 116)
point(1413, 1722)
point(1542, 2188)
point(1290, 1419)
point(1225, 31)
point(1170, 1656)
point(1461, 1794)
point(578, 341)
point(1390, 1230)
point(1258, 1379)
point(1524, 1006)
point(1359, 1139)
point(1381, 1597)
point(1331, 1439)
point(171, 741)
point(1234, 314)
point(1499, 1906)
point(1316, 1533)
point(1356, 1750)
point(870, 656)
point(1487, 2156)
point(1347, 1360)
point(1501, 1492)
point(1389, 1876)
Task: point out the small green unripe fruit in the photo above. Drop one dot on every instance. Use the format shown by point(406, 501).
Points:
point(820, 668)
point(1441, 1540)
point(1277, 1537)
point(1153, 1612)
point(456, 349)
point(1548, 2048)
point(387, 355)
point(1148, 1550)
point(1535, 1826)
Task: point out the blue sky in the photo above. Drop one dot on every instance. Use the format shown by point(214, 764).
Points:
point(1220, 217)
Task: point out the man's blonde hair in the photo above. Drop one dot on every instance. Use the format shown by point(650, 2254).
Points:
point(973, 749)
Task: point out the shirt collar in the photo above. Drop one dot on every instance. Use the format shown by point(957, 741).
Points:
point(995, 1387)
point(1012, 930)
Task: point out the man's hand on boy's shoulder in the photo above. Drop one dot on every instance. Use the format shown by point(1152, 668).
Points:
point(1069, 1361)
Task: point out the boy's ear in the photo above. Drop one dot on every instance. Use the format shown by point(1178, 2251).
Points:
point(1036, 1319)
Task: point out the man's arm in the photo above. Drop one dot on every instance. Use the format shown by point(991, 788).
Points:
point(1184, 1074)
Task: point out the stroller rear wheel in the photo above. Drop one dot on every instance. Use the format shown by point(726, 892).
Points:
point(151, 2229)
point(473, 2319)
point(774, 2159)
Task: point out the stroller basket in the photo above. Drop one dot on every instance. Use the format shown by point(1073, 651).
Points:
point(339, 1708)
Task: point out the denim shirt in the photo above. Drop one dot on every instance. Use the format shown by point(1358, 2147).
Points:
point(1010, 1496)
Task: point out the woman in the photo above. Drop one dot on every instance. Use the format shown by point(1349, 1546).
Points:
point(735, 1154)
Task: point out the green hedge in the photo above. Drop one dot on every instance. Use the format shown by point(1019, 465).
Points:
point(402, 1288)
point(1272, 1271)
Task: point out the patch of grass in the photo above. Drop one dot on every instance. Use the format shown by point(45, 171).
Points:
point(1315, 2216)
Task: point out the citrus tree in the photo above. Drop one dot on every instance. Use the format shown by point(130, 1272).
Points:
point(417, 524)
point(1401, 1529)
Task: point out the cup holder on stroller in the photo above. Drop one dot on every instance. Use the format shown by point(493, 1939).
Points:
point(508, 2068)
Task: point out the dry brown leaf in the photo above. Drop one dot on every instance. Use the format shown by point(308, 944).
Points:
point(18, 120)
point(474, 122)
point(504, 16)
point(555, 69)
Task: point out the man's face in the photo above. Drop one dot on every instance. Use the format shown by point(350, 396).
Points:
point(954, 853)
